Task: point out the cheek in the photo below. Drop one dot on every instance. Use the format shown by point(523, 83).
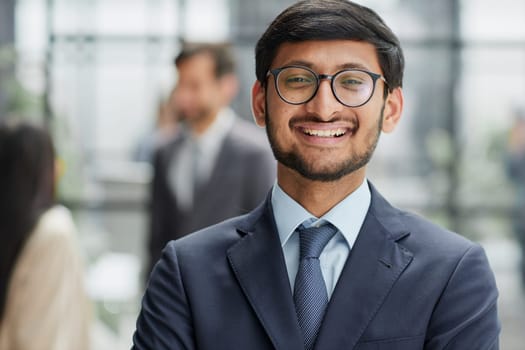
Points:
point(370, 114)
point(280, 111)
point(278, 120)
point(214, 95)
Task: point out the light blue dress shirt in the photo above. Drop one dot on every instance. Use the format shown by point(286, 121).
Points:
point(348, 216)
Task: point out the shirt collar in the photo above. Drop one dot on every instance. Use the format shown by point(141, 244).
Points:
point(348, 215)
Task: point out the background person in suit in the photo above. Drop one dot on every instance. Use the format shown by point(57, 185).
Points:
point(43, 304)
point(218, 166)
point(329, 76)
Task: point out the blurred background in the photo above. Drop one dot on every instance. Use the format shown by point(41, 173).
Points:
point(96, 71)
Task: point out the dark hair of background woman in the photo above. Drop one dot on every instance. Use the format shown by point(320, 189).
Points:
point(27, 162)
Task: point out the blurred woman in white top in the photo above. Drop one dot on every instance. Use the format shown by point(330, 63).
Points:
point(43, 304)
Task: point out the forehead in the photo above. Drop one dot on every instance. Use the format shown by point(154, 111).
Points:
point(328, 56)
point(198, 64)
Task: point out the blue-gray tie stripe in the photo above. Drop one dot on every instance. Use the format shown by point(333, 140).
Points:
point(310, 294)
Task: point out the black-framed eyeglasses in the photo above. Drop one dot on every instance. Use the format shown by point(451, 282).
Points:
point(351, 87)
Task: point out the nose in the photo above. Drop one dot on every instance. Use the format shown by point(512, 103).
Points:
point(324, 104)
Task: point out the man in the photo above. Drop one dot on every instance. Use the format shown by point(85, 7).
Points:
point(218, 166)
point(329, 76)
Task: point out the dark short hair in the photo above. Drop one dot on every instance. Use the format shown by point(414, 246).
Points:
point(331, 20)
point(221, 53)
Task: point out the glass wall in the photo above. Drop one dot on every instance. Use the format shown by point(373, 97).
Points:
point(96, 71)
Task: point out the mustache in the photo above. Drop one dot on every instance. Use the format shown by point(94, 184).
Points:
point(316, 119)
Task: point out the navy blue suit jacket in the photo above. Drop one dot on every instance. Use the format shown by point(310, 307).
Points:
point(407, 284)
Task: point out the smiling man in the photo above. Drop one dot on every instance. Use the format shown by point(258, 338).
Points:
point(325, 262)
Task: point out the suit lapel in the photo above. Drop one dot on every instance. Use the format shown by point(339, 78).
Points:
point(259, 267)
point(375, 263)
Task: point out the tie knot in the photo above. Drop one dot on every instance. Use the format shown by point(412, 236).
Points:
point(313, 239)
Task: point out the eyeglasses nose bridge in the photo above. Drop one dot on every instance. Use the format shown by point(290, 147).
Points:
point(325, 77)
point(329, 78)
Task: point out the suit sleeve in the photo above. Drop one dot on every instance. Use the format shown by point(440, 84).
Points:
point(165, 319)
point(466, 314)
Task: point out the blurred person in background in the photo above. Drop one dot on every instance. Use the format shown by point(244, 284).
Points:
point(219, 165)
point(515, 161)
point(43, 305)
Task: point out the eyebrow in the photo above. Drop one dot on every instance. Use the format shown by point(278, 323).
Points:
point(349, 65)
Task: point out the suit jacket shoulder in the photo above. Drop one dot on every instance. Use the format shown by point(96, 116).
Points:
point(423, 235)
point(442, 284)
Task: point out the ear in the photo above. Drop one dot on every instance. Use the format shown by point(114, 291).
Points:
point(258, 104)
point(393, 110)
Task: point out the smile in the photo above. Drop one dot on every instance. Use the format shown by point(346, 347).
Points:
point(325, 133)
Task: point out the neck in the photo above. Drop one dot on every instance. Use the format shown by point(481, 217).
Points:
point(318, 197)
point(200, 125)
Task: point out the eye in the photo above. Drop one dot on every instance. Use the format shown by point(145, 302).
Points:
point(353, 80)
point(297, 81)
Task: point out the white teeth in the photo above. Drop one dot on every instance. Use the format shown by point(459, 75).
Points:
point(325, 133)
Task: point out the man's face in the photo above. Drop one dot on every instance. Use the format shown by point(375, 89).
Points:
point(197, 95)
point(322, 139)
